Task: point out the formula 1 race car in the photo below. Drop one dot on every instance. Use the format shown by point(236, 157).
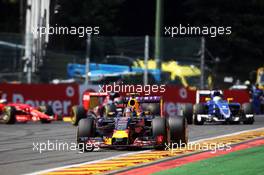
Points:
point(216, 109)
point(95, 103)
point(134, 127)
point(11, 113)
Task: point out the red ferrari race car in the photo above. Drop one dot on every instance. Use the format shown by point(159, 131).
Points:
point(11, 113)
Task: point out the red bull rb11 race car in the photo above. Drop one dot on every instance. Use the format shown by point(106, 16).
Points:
point(136, 126)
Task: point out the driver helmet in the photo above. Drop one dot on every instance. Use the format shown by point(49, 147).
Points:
point(217, 95)
point(3, 101)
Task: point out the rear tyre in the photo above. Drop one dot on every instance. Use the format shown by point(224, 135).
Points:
point(77, 113)
point(262, 109)
point(85, 129)
point(187, 110)
point(249, 121)
point(9, 115)
point(198, 109)
point(109, 108)
point(48, 111)
point(43, 121)
point(248, 109)
point(159, 129)
point(177, 132)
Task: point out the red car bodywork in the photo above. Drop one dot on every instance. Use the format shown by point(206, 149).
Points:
point(95, 101)
point(90, 105)
point(25, 113)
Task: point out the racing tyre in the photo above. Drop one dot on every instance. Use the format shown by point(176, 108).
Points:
point(48, 111)
point(159, 129)
point(198, 109)
point(109, 108)
point(234, 122)
point(177, 132)
point(43, 121)
point(86, 129)
point(77, 113)
point(262, 109)
point(9, 115)
point(248, 109)
point(187, 110)
point(249, 121)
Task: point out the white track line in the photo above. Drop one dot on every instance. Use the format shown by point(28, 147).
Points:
point(127, 154)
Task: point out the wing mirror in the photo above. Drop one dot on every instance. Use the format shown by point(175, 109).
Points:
point(111, 113)
point(207, 99)
point(230, 99)
point(119, 109)
point(146, 113)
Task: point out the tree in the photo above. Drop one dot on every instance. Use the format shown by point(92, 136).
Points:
point(242, 51)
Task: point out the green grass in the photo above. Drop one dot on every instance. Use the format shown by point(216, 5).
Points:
point(245, 162)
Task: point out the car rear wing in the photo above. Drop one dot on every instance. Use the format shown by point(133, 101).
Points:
point(145, 99)
point(202, 93)
point(98, 94)
point(88, 95)
point(91, 99)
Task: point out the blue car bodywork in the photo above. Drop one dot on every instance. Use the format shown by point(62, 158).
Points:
point(221, 109)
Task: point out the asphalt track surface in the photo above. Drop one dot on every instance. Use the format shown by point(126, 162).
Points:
point(18, 156)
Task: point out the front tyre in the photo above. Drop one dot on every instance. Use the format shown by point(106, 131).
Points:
point(85, 130)
point(77, 113)
point(48, 111)
point(187, 110)
point(248, 109)
point(159, 132)
point(9, 115)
